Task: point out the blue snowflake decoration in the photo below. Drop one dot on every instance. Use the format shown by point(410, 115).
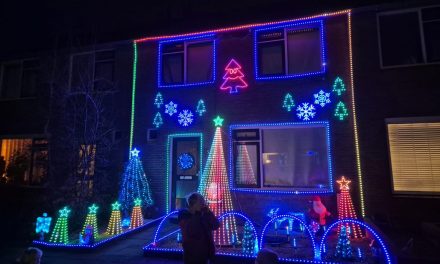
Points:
point(322, 98)
point(185, 118)
point(185, 161)
point(305, 111)
point(171, 108)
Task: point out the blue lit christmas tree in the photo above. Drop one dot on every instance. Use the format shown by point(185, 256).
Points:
point(343, 248)
point(134, 184)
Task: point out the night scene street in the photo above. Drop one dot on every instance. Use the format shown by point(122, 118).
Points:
point(211, 132)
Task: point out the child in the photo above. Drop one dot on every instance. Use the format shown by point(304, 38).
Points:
point(197, 223)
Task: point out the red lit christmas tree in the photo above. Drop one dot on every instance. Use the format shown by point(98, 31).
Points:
point(346, 208)
point(245, 173)
point(233, 77)
point(215, 188)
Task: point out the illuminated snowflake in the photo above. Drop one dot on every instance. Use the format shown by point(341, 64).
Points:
point(322, 98)
point(171, 108)
point(185, 117)
point(305, 111)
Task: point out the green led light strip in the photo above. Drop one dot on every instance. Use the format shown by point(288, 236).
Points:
point(133, 96)
point(170, 138)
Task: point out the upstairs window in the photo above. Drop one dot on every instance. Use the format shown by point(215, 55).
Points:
point(19, 79)
point(409, 37)
point(289, 51)
point(187, 62)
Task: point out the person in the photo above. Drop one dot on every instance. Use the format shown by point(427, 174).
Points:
point(266, 256)
point(30, 256)
point(197, 224)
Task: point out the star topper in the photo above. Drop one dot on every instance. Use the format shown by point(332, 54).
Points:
point(343, 184)
point(64, 212)
point(93, 209)
point(135, 152)
point(137, 202)
point(218, 121)
point(115, 206)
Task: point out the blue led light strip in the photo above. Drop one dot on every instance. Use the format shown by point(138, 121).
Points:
point(354, 221)
point(210, 37)
point(324, 124)
point(312, 24)
point(160, 225)
point(102, 242)
point(169, 142)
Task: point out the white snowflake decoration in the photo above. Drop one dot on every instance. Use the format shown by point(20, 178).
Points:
point(305, 111)
point(185, 117)
point(171, 108)
point(322, 98)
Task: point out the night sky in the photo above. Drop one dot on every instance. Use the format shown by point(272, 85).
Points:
point(29, 26)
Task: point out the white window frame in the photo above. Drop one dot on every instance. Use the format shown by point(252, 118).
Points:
point(421, 32)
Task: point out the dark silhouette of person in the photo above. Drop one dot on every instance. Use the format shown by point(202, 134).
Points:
point(2, 166)
point(197, 224)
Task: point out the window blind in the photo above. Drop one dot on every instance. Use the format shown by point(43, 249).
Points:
point(415, 157)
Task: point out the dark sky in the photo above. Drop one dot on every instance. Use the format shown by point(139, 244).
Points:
point(28, 26)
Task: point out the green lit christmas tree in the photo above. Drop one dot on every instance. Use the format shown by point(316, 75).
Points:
point(341, 111)
point(91, 221)
point(158, 101)
point(60, 233)
point(158, 121)
point(201, 108)
point(343, 248)
point(338, 86)
point(248, 242)
point(288, 102)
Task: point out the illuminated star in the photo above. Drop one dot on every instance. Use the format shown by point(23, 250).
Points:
point(343, 184)
point(64, 212)
point(135, 152)
point(115, 206)
point(137, 202)
point(218, 121)
point(93, 209)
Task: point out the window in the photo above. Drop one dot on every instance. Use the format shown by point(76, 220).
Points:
point(19, 79)
point(292, 158)
point(92, 71)
point(187, 62)
point(409, 37)
point(415, 156)
point(24, 161)
point(86, 170)
point(289, 51)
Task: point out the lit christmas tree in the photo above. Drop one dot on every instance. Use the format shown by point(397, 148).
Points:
point(158, 121)
point(158, 101)
point(338, 86)
point(60, 233)
point(114, 224)
point(245, 173)
point(137, 219)
point(215, 188)
point(248, 242)
point(343, 248)
point(201, 108)
point(233, 77)
point(134, 184)
point(92, 221)
point(288, 102)
point(341, 111)
point(346, 209)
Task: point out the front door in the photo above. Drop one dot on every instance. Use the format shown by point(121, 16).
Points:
point(185, 169)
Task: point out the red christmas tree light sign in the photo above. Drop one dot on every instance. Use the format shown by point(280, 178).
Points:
point(346, 208)
point(233, 77)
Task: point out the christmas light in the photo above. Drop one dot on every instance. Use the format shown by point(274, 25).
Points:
point(341, 111)
point(215, 188)
point(137, 219)
point(248, 242)
point(338, 86)
point(201, 109)
point(42, 225)
point(158, 121)
point(288, 102)
point(185, 118)
point(233, 77)
point(245, 173)
point(171, 108)
point(343, 248)
point(60, 233)
point(134, 183)
point(133, 94)
point(114, 224)
point(91, 221)
point(158, 101)
point(168, 165)
point(345, 207)
point(322, 98)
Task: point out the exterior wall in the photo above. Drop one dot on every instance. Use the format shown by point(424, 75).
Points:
point(259, 103)
point(389, 93)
